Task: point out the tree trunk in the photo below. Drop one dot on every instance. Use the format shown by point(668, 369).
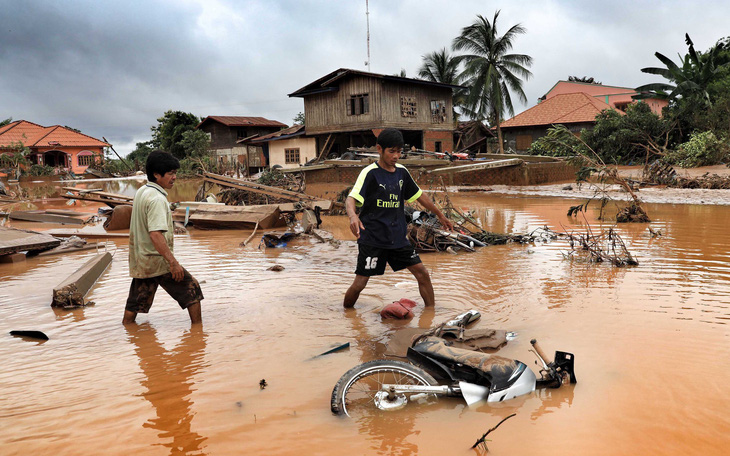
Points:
point(499, 138)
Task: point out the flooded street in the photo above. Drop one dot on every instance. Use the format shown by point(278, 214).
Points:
point(651, 343)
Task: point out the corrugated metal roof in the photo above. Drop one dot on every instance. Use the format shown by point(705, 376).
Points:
point(243, 121)
point(560, 109)
point(330, 81)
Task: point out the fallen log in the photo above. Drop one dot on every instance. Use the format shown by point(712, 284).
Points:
point(73, 290)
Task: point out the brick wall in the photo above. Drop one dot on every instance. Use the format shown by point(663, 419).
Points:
point(445, 137)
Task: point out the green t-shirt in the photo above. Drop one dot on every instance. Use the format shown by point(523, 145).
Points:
point(150, 212)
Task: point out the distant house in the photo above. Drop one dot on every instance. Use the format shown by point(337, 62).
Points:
point(348, 108)
point(574, 110)
point(229, 136)
point(55, 146)
point(288, 148)
point(614, 96)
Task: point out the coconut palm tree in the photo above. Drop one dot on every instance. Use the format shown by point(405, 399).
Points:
point(490, 71)
point(440, 66)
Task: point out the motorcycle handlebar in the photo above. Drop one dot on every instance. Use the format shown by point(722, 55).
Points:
point(539, 351)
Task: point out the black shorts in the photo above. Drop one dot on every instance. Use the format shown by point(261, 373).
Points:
point(142, 291)
point(371, 260)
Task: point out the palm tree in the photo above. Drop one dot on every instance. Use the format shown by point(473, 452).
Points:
point(490, 71)
point(690, 79)
point(440, 66)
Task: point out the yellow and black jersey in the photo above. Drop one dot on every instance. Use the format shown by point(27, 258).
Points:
point(382, 195)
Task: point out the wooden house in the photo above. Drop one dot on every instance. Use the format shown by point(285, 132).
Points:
point(56, 146)
point(230, 135)
point(288, 148)
point(348, 108)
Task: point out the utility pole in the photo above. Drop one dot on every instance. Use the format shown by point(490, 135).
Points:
point(367, 20)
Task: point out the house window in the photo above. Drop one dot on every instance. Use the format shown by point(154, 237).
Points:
point(438, 111)
point(85, 160)
point(358, 104)
point(408, 107)
point(524, 142)
point(240, 133)
point(291, 156)
point(437, 146)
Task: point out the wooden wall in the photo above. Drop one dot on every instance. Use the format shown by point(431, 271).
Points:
point(327, 112)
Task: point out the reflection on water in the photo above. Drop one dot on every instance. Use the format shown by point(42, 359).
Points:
point(168, 383)
point(650, 344)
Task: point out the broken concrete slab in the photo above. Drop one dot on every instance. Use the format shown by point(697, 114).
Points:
point(477, 166)
point(236, 217)
point(60, 232)
point(73, 290)
point(13, 240)
point(12, 258)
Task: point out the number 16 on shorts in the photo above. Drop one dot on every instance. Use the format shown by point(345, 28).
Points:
point(371, 262)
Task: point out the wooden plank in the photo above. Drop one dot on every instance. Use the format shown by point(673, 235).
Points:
point(13, 240)
point(225, 181)
point(476, 166)
point(84, 234)
point(73, 290)
point(30, 216)
point(108, 202)
point(59, 250)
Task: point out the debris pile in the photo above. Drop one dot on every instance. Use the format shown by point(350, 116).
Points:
point(604, 247)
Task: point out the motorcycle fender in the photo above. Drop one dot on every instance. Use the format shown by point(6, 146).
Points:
point(473, 393)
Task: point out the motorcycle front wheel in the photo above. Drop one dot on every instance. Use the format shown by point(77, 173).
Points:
point(359, 390)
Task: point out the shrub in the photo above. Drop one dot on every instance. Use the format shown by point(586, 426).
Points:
point(40, 170)
point(702, 149)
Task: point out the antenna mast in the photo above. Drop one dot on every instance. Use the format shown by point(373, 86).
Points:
point(367, 19)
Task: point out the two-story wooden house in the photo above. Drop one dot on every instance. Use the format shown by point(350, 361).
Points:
point(229, 136)
point(349, 108)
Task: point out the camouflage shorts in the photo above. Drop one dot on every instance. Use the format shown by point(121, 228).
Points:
point(142, 291)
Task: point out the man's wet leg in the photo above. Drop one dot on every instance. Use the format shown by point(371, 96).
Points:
point(354, 291)
point(425, 287)
point(195, 312)
point(129, 317)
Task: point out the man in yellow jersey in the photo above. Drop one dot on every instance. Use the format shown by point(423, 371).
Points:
point(381, 191)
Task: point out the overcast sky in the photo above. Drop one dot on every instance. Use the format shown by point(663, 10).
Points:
point(111, 68)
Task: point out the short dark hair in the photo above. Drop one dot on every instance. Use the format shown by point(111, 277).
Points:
point(390, 137)
point(161, 163)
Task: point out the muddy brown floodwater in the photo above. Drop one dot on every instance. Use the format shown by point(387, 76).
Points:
point(650, 342)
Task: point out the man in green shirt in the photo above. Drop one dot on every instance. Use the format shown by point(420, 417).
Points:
point(151, 261)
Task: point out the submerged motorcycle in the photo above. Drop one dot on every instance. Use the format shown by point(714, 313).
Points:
point(437, 369)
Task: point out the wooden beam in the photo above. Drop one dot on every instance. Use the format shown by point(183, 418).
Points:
point(476, 166)
point(225, 181)
point(73, 290)
point(13, 240)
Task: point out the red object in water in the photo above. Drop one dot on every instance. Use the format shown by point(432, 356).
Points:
point(400, 310)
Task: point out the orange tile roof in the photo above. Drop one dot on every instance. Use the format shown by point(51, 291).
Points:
point(34, 135)
point(560, 109)
point(243, 121)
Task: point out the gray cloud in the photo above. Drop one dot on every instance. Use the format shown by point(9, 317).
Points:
point(111, 68)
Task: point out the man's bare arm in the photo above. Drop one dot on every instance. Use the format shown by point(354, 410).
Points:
point(427, 204)
point(355, 223)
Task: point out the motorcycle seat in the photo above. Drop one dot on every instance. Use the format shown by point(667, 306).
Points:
point(490, 366)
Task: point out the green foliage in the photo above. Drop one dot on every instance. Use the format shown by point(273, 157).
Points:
point(40, 170)
point(140, 153)
point(196, 166)
point(558, 142)
point(625, 139)
point(16, 155)
point(5, 121)
point(168, 133)
point(491, 71)
point(270, 177)
point(195, 143)
point(298, 119)
point(440, 66)
point(702, 149)
point(114, 167)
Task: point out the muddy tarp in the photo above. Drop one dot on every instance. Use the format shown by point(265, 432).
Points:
point(119, 219)
point(471, 339)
